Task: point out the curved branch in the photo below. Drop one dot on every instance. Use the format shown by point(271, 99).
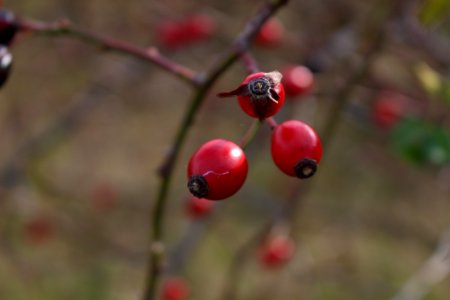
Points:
point(151, 54)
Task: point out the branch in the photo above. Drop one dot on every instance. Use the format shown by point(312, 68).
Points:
point(151, 54)
point(241, 44)
point(433, 271)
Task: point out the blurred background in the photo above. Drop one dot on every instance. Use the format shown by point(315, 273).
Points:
point(84, 131)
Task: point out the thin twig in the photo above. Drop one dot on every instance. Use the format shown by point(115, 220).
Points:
point(250, 63)
point(250, 134)
point(150, 54)
point(433, 271)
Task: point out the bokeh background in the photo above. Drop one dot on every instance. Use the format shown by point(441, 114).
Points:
point(84, 131)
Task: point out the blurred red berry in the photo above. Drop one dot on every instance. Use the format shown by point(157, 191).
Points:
point(104, 197)
point(199, 27)
point(271, 33)
point(175, 34)
point(297, 80)
point(389, 108)
point(277, 251)
point(260, 95)
point(175, 289)
point(198, 207)
point(170, 34)
point(38, 230)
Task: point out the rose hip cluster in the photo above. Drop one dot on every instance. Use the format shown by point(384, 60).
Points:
point(218, 169)
point(8, 29)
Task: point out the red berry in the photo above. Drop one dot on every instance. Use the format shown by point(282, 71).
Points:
point(271, 33)
point(38, 230)
point(170, 34)
point(5, 64)
point(296, 149)
point(277, 251)
point(297, 80)
point(217, 170)
point(175, 289)
point(104, 197)
point(8, 27)
point(175, 34)
point(389, 108)
point(260, 95)
point(199, 27)
point(198, 207)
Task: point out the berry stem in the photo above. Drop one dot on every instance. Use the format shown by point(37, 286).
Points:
point(250, 63)
point(250, 133)
point(271, 122)
point(151, 54)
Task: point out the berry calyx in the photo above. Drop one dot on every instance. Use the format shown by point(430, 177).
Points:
point(276, 251)
point(297, 80)
point(217, 170)
point(270, 34)
point(260, 95)
point(8, 27)
point(5, 64)
point(296, 149)
point(175, 288)
point(198, 208)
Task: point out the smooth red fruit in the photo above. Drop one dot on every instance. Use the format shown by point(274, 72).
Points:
point(277, 251)
point(389, 108)
point(38, 230)
point(217, 170)
point(175, 289)
point(104, 197)
point(296, 149)
point(198, 208)
point(8, 27)
point(5, 64)
point(297, 80)
point(271, 33)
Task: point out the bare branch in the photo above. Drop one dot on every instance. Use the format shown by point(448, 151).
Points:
point(433, 271)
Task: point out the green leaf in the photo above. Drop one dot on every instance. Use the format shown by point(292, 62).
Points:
point(421, 143)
